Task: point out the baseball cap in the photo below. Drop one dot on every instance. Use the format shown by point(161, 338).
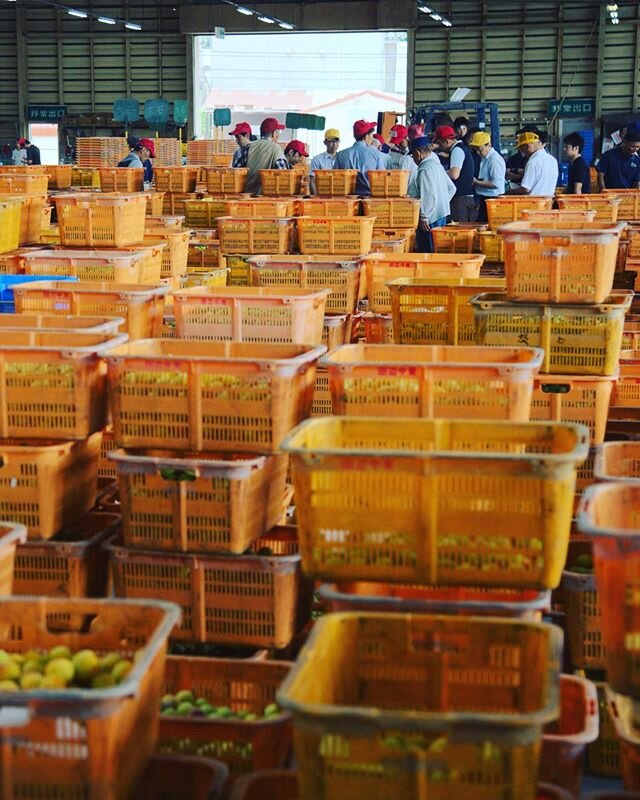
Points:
point(331, 133)
point(379, 137)
point(479, 138)
point(22, 140)
point(362, 127)
point(444, 132)
point(298, 147)
point(399, 132)
point(269, 125)
point(527, 137)
point(416, 130)
point(241, 129)
point(150, 145)
point(419, 142)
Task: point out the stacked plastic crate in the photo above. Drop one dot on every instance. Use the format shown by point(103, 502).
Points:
point(28, 185)
point(501, 210)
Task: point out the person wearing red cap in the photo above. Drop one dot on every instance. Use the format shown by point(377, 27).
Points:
point(264, 153)
point(31, 152)
point(147, 153)
point(414, 131)
point(136, 155)
point(382, 147)
point(294, 152)
point(361, 156)
point(461, 171)
point(242, 132)
point(399, 157)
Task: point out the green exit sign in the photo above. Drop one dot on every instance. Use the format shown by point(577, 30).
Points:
point(572, 107)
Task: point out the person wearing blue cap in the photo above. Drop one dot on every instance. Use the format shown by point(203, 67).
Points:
point(434, 188)
point(619, 168)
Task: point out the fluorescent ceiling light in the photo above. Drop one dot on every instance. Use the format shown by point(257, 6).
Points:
point(268, 20)
point(447, 23)
point(615, 21)
point(246, 11)
point(286, 25)
point(424, 9)
point(133, 26)
point(107, 20)
point(80, 14)
point(437, 17)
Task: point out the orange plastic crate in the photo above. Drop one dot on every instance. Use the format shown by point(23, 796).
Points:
point(629, 208)
point(80, 743)
point(311, 272)
point(218, 396)
point(454, 239)
point(140, 306)
point(175, 179)
point(121, 179)
point(241, 686)
point(328, 207)
point(583, 615)
point(53, 384)
point(574, 398)
point(378, 328)
point(225, 180)
point(108, 220)
point(608, 514)
point(322, 405)
point(381, 268)
point(605, 206)
point(389, 730)
point(565, 740)
point(432, 381)
point(68, 324)
point(279, 182)
point(335, 182)
point(618, 462)
point(492, 245)
point(151, 262)
point(260, 207)
point(335, 235)
point(560, 262)
point(392, 212)
point(603, 755)
point(23, 183)
point(249, 235)
point(198, 502)
point(510, 208)
point(335, 330)
point(176, 252)
point(204, 212)
point(115, 266)
point(175, 203)
point(402, 244)
point(249, 600)
point(623, 712)
point(60, 176)
point(204, 253)
point(47, 485)
point(183, 778)
point(12, 535)
point(31, 214)
point(251, 314)
point(389, 183)
point(163, 223)
point(563, 216)
point(72, 564)
point(433, 501)
point(85, 177)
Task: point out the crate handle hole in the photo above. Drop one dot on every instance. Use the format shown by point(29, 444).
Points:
point(555, 388)
point(181, 475)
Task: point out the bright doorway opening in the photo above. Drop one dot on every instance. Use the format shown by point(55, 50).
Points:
point(342, 77)
point(46, 138)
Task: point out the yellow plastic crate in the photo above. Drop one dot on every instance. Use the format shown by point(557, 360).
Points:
point(31, 216)
point(239, 269)
point(232, 397)
point(510, 208)
point(10, 213)
point(175, 202)
point(392, 212)
point(60, 176)
point(335, 235)
point(260, 207)
point(204, 254)
point(447, 502)
point(433, 381)
point(626, 392)
point(328, 207)
point(175, 254)
point(204, 213)
point(605, 206)
point(629, 207)
point(175, 179)
point(11, 183)
point(389, 183)
point(399, 706)
point(251, 314)
point(577, 340)
point(213, 278)
point(381, 268)
point(122, 179)
point(87, 177)
point(492, 245)
point(311, 272)
point(101, 220)
point(454, 239)
point(269, 235)
point(278, 182)
point(335, 182)
point(430, 311)
point(560, 262)
point(225, 180)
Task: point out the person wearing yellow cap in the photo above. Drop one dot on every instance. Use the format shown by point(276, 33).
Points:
point(541, 170)
point(491, 175)
point(324, 160)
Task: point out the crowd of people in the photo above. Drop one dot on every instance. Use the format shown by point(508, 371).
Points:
point(453, 171)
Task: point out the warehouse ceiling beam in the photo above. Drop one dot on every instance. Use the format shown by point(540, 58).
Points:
point(358, 15)
point(80, 13)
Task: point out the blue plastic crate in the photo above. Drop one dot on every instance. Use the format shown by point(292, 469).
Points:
point(7, 282)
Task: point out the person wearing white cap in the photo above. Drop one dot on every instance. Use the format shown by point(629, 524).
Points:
point(327, 159)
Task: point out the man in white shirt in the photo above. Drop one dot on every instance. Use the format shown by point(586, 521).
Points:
point(18, 157)
point(491, 176)
point(541, 170)
point(325, 160)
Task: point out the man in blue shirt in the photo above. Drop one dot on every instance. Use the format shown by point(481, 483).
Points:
point(433, 187)
point(327, 159)
point(619, 168)
point(361, 156)
point(579, 176)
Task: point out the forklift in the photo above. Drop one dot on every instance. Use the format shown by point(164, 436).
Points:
point(481, 115)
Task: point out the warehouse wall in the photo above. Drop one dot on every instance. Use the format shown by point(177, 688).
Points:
point(524, 54)
point(85, 64)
